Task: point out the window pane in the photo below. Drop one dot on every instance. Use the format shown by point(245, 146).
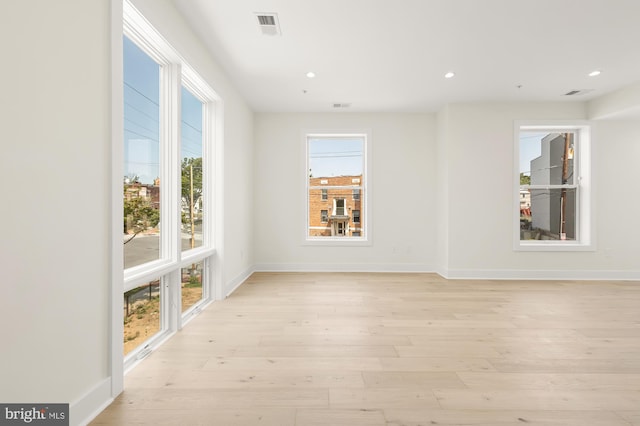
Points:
point(336, 176)
point(141, 314)
point(192, 197)
point(191, 285)
point(547, 158)
point(141, 191)
point(551, 215)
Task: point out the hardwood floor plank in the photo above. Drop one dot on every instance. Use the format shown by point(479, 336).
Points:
point(202, 417)
point(516, 364)
point(633, 417)
point(556, 381)
point(313, 351)
point(342, 339)
point(452, 349)
point(422, 417)
point(294, 364)
point(519, 399)
point(412, 380)
point(435, 364)
point(261, 379)
point(382, 398)
point(169, 397)
point(340, 417)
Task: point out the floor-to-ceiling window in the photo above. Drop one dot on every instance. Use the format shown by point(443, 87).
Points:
point(169, 118)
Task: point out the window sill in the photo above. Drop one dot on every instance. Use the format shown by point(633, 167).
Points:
point(553, 246)
point(337, 242)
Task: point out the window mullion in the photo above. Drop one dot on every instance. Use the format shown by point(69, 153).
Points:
point(170, 159)
point(207, 167)
point(171, 115)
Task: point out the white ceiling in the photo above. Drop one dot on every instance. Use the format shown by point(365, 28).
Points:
point(391, 55)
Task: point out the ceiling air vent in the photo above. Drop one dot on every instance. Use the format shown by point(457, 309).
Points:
point(268, 23)
point(578, 92)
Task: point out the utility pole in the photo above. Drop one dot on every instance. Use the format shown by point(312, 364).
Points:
point(193, 231)
point(563, 191)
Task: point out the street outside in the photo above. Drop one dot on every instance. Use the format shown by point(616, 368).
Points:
point(146, 247)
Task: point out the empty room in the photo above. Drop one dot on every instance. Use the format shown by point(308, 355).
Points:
point(347, 212)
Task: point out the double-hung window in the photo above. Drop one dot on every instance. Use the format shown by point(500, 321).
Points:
point(553, 202)
point(336, 187)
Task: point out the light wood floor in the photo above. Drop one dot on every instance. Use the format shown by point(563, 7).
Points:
point(397, 349)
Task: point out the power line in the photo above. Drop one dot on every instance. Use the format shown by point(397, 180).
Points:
point(130, 105)
point(141, 135)
point(141, 126)
point(141, 94)
point(193, 127)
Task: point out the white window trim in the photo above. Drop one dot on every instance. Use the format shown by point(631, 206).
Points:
point(365, 186)
point(585, 220)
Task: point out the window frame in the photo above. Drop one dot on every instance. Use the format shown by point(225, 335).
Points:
point(175, 73)
point(582, 182)
point(365, 184)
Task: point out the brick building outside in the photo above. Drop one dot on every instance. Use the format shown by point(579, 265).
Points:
point(335, 206)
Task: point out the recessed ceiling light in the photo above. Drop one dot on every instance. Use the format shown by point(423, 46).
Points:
point(311, 74)
point(594, 73)
point(449, 75)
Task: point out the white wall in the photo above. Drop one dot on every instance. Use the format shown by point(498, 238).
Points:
point(618, 153)
point(621, 104)
point(55, 227)
point(480, 191)
point(235, 251)
point(402, 187)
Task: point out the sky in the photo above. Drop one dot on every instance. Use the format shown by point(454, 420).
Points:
point(530, 148)
point(142, 116)
point(336, 156)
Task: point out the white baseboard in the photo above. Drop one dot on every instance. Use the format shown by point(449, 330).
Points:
point(513, 274)
point(334, 267)
point(233, 285)
point(87, 407)
point(456, 274)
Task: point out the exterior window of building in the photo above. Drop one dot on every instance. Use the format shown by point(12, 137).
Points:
point(336, 187)
point(553, 183)
point(356, 216)
point(168, 145)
